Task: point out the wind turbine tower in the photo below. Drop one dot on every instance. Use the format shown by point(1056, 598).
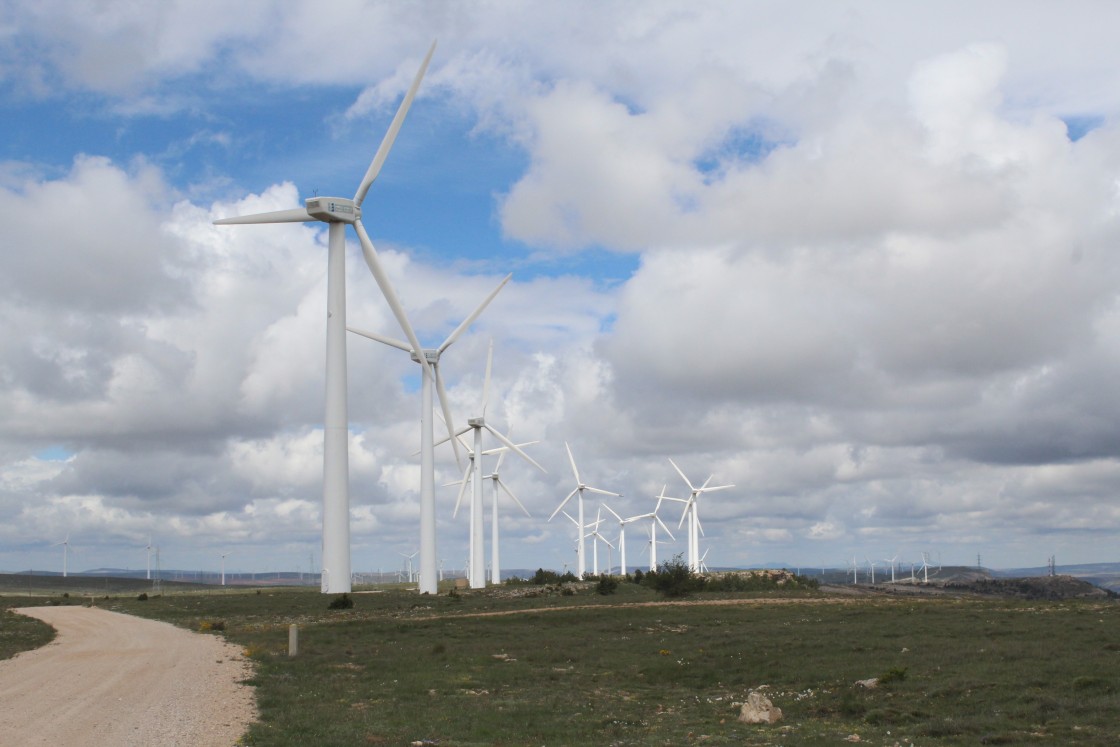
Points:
point(337, 213)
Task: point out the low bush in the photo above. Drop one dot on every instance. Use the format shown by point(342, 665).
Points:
point(546, 578)
point(606, 585)
point(673, 578)
point(343, 602)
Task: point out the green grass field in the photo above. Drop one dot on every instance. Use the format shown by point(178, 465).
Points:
point(588, 669)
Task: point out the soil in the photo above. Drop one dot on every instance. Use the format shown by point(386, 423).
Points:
point(113, 679)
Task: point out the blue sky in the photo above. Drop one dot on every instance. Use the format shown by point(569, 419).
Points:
point(858, 259)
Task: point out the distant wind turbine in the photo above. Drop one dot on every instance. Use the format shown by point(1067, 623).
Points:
point(337, 212)
point(578, 490)
point(224, 566)
point(690, 514)
point(65, 552)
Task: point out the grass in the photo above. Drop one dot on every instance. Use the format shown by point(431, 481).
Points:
point(593, 669)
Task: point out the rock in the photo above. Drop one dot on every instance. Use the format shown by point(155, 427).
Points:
point(870, 684)
point(759, 710)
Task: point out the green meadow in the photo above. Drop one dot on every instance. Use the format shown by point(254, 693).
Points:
point(635, 668)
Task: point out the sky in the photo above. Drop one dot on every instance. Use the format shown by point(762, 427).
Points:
point(859, 259)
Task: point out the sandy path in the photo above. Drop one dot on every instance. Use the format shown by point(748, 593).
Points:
point(113, 679)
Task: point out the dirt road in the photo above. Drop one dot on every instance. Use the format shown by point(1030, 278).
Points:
point(113, 679)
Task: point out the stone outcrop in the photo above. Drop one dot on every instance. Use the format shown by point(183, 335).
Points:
point(759, 710)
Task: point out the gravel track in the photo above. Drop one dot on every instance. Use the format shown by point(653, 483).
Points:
point(113, 679)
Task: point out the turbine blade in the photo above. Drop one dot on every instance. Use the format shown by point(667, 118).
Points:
point(612, 512)
point(470, 319)
point(659, 521)
point(571, 519)
point(390, 341)
point(501, 458)
point(294, 215)
point(562, 504)
point(391, 133)
point(572, 459)
point(386, 287)
point(444, 440)
point(717, 487)
point(486, 380)
point(678, 469)
point(514, 447)
point(685, 514)
point(447, 417)
point(463, 487)
point(601, 492)
point(509, 492)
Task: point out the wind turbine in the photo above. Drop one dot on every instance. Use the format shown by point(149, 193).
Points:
point(65, 552)
point(871, 565)
point(596, 537)
point(892, 562)
point(474, 472)
point(855, 571)
point(429, 359)
point(581, 486)
point(409, 558)
point(654, 521)
point(337, 212)
point(694, 527)
point(149, 549)
point(224, 566)
point(703, 565)
point(925, 567)
point(495, 483)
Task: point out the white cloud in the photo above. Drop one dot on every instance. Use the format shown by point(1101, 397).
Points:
point(876, 284)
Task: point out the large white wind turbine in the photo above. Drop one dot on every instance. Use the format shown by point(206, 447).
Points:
point(337, 212)
point(690, 513)
point(581, 486)
point(429, 359)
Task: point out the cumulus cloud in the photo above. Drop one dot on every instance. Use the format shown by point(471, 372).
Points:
point(874, 282)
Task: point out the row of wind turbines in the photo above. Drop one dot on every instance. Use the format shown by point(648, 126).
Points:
point(892, 563)
point(337, 213)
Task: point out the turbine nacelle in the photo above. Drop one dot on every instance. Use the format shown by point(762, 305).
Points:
point(333, 209)
point(431, 355)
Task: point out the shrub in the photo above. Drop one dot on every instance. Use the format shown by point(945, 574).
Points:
point(673, 578)
point(894, 674)
point(637, 577)
point(544, 578)
point(208, 626)
point(142, 597)
point(343, 602)
point(607, 585)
